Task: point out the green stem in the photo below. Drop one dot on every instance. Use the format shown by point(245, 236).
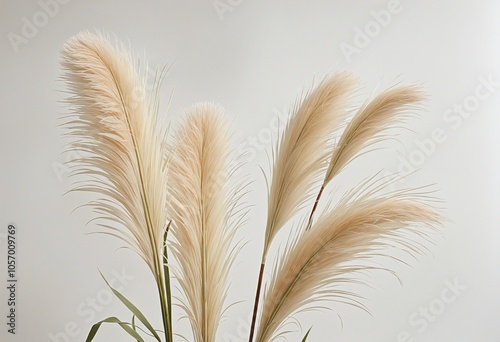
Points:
point(166, 303)
point(165, 310)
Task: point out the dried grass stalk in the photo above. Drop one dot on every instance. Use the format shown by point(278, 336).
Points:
point(368, 126)
point(339, 244)
point(204, 206)
point(113, 124)
point(302, 150)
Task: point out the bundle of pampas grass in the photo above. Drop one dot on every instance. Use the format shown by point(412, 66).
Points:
point(174, 196)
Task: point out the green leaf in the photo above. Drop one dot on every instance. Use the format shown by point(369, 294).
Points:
point(133, 324)
point(124, 325)
point(307, 334)
point(133, 309)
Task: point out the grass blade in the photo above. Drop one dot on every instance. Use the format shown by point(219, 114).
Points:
point(133, 324)
point(307, 334)
point(124, 325)
point(133, 309)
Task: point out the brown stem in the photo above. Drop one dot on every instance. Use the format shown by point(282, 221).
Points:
point(256, 303)
point(309, 223)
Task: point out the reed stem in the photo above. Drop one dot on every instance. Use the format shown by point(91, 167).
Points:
point(309, 222)
point(166, 299)
point(165, 312)
point(256, 303)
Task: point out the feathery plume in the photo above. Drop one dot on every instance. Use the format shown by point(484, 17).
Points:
point(300, 157)
point(368, 125)
point(367, 128)
point(301, 152)
point(320, 259)
point(203, 209)
point(113, 123)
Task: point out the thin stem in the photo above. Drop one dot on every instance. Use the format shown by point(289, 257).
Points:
point(164, 310)
point(166, 273)
point(256, 303)
point(289, 288)
point(309, 223)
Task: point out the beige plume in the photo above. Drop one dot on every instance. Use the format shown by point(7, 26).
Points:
point(301, 154)
point(367, 128)
point(337, 246)
point(204, 205)
point(368, 125)
point(113, 125)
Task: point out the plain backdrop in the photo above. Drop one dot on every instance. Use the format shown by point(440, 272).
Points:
point(255, 58)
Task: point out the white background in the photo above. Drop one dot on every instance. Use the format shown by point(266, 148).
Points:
point(255, 58)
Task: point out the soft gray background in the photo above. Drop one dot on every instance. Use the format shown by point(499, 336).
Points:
point(254, 59)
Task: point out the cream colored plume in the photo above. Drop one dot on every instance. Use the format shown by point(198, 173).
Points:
point(338, 245)
point(368, 125)
point(113, 125)
point(204, 205)
point(302, 150)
